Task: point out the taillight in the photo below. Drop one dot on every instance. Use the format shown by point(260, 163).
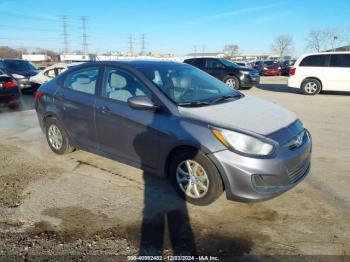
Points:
point(38, 95)
point(292, 71)
point(10, 84)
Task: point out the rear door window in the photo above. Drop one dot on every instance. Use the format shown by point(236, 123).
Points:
point(314, 60)
point(83, 80)
point(340, 60)
point(198, 62)
point(214, 64)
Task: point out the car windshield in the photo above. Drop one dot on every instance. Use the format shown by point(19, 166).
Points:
point(228, 63)
point(186, 85)
point(19, 65)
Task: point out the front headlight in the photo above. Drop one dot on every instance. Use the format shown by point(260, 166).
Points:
point(244, 72)
point(243, 143)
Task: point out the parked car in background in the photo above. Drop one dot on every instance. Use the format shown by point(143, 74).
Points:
point(9, 92)
point(269, 68)
point(47, 74)
point(229, 72)
point(176, 121)
point(243, 64)
point(255, 64)
point(313, 73)
point(20, 70)
point(286, 65)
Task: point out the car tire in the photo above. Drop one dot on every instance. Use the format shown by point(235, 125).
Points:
point(311, 87)
point(206, 174)
point(57, 137)
point(232, 81)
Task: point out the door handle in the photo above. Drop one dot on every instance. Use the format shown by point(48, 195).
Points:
point(105, 109)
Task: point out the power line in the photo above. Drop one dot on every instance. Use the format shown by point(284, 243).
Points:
point(65, 34)
point(85, 44)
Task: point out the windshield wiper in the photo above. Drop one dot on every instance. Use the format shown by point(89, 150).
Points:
point(223, 98)
point(194, 103)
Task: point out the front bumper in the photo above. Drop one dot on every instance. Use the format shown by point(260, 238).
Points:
point(255, 179)
point(249, 80)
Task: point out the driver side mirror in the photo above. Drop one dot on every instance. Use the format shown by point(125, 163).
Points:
point(142, 103)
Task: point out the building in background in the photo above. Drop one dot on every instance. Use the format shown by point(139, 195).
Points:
point(36, 57)
point(69, 58)
point(339, 49)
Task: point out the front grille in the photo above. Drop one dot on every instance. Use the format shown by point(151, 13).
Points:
point(295, 174)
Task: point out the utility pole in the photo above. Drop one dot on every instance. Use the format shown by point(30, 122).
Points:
point(195, 50)
point(131, 45)
point(65, 34)
point(203, 48)
point(143, 48)
point(84, 44)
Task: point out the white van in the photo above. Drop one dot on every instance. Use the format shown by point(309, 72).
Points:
point(318, 72)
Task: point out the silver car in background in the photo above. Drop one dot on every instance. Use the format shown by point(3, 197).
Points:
point(177, 121)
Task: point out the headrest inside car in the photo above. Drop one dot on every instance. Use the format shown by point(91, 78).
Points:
point(117, 81)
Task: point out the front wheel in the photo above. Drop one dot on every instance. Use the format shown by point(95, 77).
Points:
point(232, 81)
point(195, 177)
point(311, 87)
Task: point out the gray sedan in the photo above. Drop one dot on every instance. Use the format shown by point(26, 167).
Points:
point(176, 121)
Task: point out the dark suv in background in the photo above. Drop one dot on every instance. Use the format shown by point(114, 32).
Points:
point(229, 72)
point(20, 70)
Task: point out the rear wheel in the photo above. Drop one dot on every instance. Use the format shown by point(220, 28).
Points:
point(195, 177)
point(57, 137)
point(232, 81)
point(311, 86)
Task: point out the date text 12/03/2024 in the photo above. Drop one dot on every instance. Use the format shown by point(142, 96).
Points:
point(173, 258)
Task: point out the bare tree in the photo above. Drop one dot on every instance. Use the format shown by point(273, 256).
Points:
point(333, 37)
point(316, 40)
point(282, 45)
point(8, 52)
point(231, 49)
point(347, 37)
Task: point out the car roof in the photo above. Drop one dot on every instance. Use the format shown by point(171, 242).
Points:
point(12, 59)
point(135, 63)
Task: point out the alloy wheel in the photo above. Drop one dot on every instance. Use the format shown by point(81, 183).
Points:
point(55, 137)
point(192, 179)
point(310, 87)
point(231, 82)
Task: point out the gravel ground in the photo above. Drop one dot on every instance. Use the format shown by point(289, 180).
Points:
point(86, 207)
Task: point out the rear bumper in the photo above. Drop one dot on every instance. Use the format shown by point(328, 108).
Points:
point(293, 82)
point(251, 179)
point(24, 83)
point(9, 96)
point(271, 72)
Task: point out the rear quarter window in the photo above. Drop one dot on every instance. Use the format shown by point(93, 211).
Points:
point(314, 60)
point(340, 60)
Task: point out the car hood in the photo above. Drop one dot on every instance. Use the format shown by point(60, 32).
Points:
point(247, 113)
